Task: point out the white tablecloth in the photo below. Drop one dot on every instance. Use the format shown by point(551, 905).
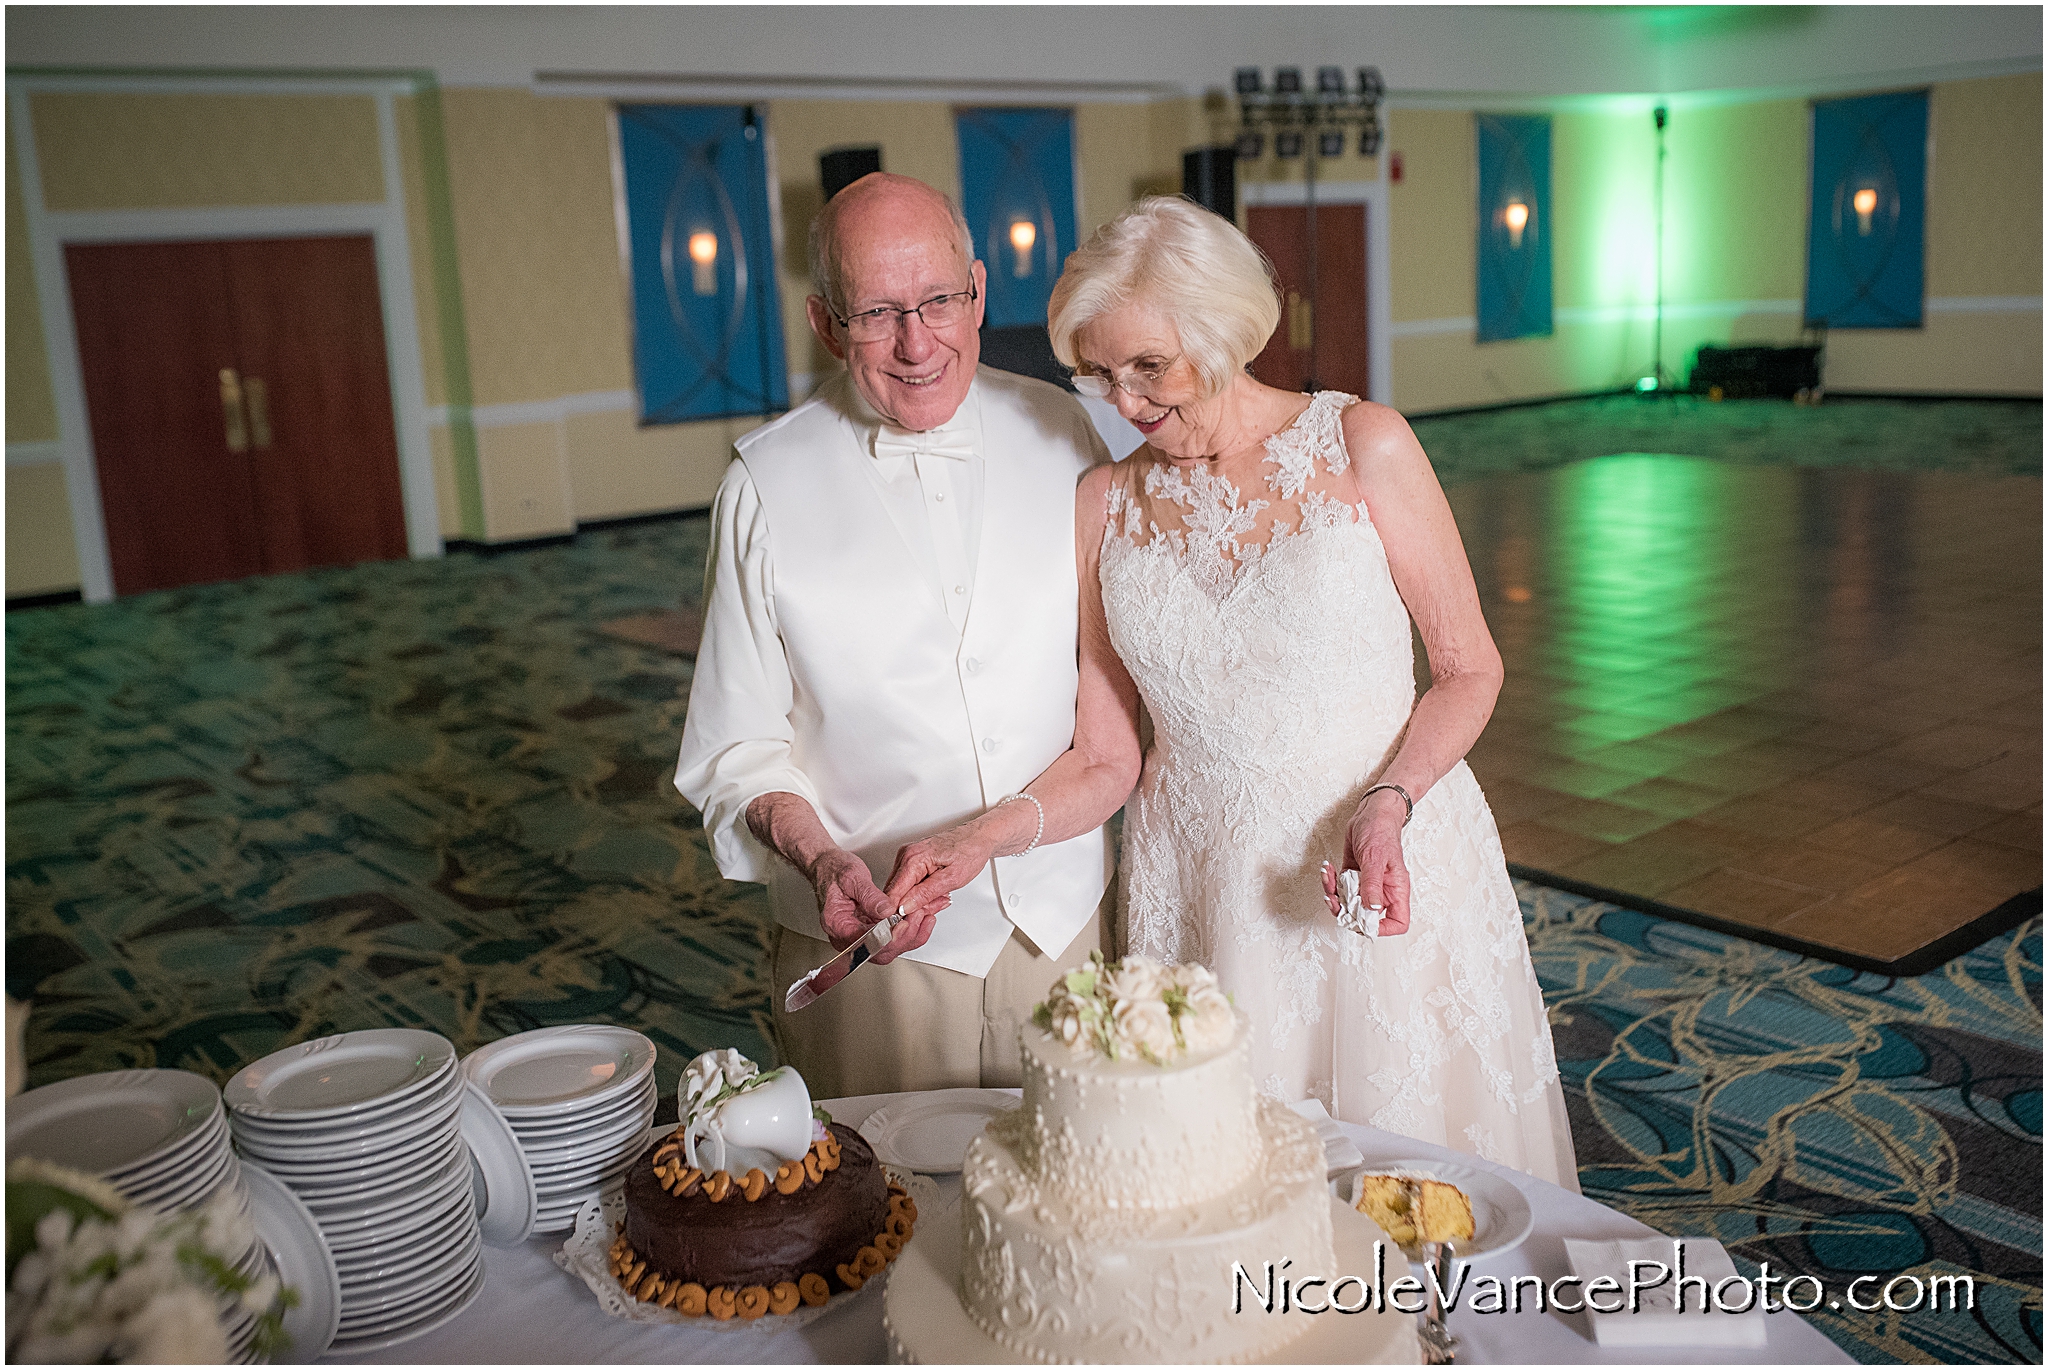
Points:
point(531, 1312)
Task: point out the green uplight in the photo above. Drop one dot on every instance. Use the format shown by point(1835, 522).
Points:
point(1647, 383)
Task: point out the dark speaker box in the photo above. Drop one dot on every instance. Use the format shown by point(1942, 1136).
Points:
point(842, 166)
point(1208, 176)
point(1755, 372)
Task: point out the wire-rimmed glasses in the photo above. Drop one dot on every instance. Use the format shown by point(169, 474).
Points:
point(1142, 380)
point(940, 311)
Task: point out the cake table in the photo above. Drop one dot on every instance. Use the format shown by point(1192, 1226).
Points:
point(531, 1312)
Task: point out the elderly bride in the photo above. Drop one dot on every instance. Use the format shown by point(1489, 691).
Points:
point(1250, 574)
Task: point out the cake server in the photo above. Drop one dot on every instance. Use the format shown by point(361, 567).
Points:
point(805, 992)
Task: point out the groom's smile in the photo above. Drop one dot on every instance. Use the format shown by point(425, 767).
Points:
point(898, 249)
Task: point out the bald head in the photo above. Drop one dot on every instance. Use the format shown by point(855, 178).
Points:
point(880, 206)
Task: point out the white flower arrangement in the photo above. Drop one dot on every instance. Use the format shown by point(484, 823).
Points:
point(1137, 1007)
point(93, 1277)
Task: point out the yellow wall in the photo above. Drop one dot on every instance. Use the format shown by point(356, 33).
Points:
point(129, 151)
point(41, 558)
point(1735, 237)
point(31, 408)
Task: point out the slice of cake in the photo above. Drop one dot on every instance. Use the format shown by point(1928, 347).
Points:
point(1413, 1209)
point(1442, 1212)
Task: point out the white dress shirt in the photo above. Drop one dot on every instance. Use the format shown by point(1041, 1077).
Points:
point(890, 633)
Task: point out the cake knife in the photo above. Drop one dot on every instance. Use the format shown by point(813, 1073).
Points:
point(804, 992)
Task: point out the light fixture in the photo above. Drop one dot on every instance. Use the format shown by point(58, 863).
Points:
point(1329, 80)
point(1023, 233)
point(1287, 80)
point(1369, 140)
point(1287, 145)
point(1865, 202)
point(1330, 142)
point(704, 263)
point(1249, 81)
point(1517, 216)
point(1251, 145)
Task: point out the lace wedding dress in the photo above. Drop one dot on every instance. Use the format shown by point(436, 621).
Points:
point(1273, 654)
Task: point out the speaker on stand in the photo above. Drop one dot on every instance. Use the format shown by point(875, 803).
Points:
point(1208, 176)
point(842, 166)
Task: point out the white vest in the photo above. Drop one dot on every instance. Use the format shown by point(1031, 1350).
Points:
point(904, 725)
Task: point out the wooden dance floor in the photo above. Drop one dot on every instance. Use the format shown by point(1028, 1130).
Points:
point(1800, 704)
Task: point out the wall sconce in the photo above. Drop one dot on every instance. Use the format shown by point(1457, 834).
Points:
point(1023, 233)
point(704, 263)
point(1517, 217)
point(1865, 202)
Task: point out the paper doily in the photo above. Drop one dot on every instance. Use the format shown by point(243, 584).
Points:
point(585, 1255)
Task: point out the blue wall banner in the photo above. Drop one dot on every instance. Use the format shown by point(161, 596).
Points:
point(1017, 190)
point(707, 328)
point(1867, 229)
point(1513, 273)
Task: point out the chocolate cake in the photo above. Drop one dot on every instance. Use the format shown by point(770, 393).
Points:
point(750, 1244)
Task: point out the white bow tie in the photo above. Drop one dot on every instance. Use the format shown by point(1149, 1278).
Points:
point(894, 443)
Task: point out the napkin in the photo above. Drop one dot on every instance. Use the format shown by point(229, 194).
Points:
point(1659, 1323)
point(1357, 916)
point(1339, 1151)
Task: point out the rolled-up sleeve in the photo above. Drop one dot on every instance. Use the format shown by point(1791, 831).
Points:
point(737, 737)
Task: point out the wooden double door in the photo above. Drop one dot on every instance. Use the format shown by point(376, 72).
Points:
point(240, 405)
point(1321, 341)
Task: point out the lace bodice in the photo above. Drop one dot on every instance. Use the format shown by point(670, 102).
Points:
point(1257, 626)
point(1273, 653)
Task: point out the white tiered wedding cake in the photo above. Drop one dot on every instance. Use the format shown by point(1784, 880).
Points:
point(1109, 1217)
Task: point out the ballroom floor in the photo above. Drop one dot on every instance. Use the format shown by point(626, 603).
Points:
point(1804, 701)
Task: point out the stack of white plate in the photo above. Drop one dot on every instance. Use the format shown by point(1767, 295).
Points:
point(580, 1099)
point(365, 1128)
point(160, 1137)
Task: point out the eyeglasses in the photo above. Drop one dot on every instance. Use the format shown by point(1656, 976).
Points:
point(1142, 380)
point(940, 311)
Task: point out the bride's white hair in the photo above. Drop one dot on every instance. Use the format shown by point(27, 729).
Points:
point(1191, 265)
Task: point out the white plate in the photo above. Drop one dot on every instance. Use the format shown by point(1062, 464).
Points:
point(510, 1200)
point(551, 1071)
point(411, 1297)
point(382, 1340)
point(541, 1131)
point(1501, 1216)
point(399, 1229)
point(594, 1162)
point(370, 1291)
point(179, 1156)
point(362, 1122)
point(423, 1252)
point(318, 1170)
point(303, 1262)
point(385, 1213)
point(416, 1121)
point(115, 1120)
point(931, 1133)
point(362, 1196)
point(177, 1194)
point(340, 1075)
point(584, 1177)
point(629, 1124)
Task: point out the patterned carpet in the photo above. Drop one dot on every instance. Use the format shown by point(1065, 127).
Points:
point(434, 794)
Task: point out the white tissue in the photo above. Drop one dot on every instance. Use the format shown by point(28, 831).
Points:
point(1356, 917)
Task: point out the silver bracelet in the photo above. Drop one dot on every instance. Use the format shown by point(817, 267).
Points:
point(1397, 790)
point(1026, 794)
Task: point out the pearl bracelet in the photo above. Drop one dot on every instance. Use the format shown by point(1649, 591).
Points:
point(1026, 794)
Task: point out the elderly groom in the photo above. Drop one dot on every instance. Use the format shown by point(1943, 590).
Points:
point(889, 647)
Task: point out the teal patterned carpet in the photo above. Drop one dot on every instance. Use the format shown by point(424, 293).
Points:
point(434, 794)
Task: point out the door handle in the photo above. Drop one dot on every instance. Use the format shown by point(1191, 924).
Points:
point(258, 396)
point(232, 417)
point(1301, 322)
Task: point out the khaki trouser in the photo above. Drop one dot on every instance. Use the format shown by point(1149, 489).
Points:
point(910, 1026)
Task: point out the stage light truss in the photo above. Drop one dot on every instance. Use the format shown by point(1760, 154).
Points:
point(1301, 118)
